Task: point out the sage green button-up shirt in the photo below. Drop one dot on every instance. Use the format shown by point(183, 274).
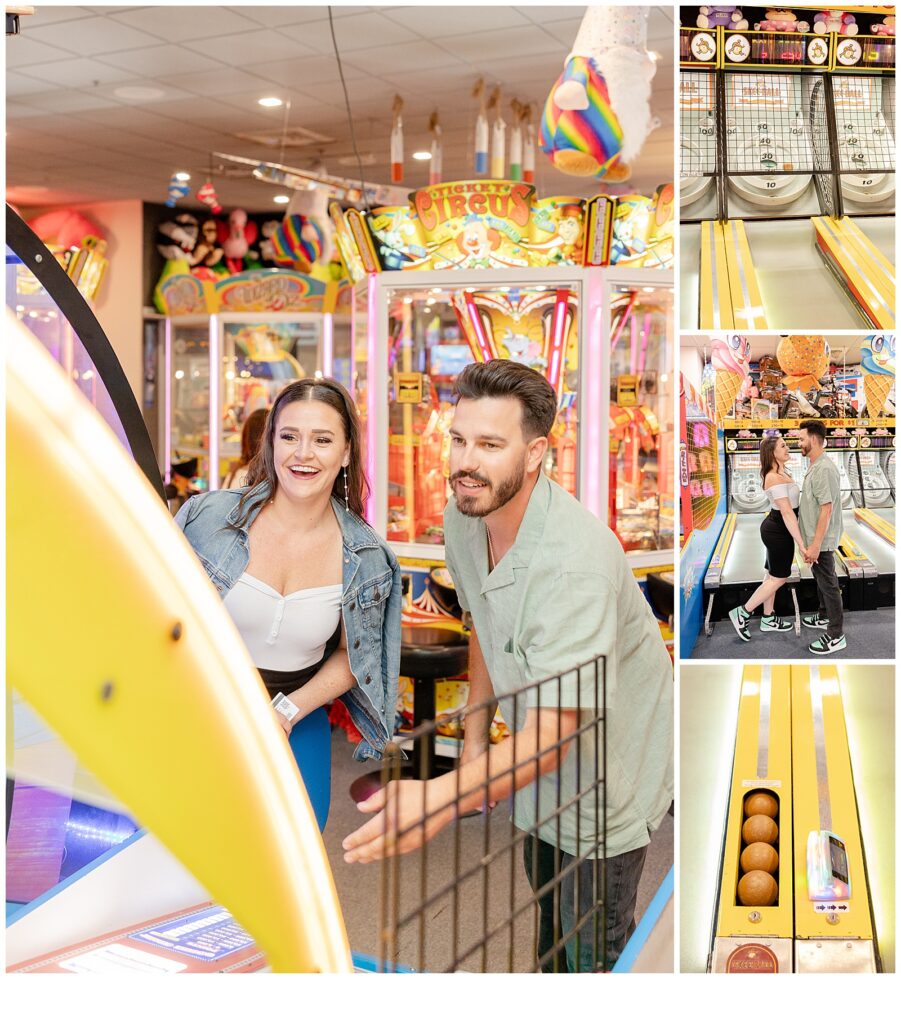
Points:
point(822, 485)
point(560, 597)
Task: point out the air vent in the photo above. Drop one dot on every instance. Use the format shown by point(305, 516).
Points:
point(293, 138)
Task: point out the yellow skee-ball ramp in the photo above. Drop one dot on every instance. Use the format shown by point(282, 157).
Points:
point(119, 641)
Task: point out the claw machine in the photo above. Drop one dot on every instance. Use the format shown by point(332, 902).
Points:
point(218, 369)
point(483, 270)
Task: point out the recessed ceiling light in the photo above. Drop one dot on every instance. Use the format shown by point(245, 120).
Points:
point(182, 176)
point(281, 199)
point(137, 92)
point(422, 154)
point(270, 101)
point(654, 55)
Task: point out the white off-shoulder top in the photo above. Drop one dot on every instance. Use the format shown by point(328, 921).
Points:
point(284, 633)
point(791, 491)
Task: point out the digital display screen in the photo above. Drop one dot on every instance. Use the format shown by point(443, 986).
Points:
point(449, 360)
point(839, 859)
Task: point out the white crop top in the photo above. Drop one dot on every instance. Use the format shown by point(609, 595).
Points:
point(791, 491)
point(288, 633)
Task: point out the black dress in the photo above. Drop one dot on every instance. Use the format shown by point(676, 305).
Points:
point(779, 544)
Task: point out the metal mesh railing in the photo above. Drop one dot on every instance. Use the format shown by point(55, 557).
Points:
point(515, 881)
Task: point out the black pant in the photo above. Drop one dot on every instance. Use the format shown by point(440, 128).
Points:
point(579, 897)
point(829, 591)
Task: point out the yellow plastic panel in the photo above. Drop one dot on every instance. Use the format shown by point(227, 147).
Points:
point(855, 922)
point(118, 640)
point(762, 761)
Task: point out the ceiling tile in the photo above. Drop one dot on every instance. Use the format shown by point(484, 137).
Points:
point(19, 85)
point(483, 46)
point(380, 60)
point(17, 111)
point(91, 36)
point(545, 15)
point(298, 73)
point(437, 22)
point(191, 23)
point(220, 82)
point(360, 33)
point(78, 72)
point(250, 48)
point(22, 51)
point(50, 15)
point(275, 17)
point(70, 101)
point(161, 60)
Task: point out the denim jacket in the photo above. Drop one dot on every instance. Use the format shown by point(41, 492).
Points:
point(370, 604)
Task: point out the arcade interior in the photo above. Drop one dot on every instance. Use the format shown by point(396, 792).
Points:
point(787, 168)
point(175, 323)
point(788, 809)
point(737, 390)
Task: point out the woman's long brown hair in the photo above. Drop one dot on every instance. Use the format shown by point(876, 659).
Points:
point(768, 457)
point(262, 466)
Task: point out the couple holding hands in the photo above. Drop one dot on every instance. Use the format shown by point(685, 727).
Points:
point(809, 518)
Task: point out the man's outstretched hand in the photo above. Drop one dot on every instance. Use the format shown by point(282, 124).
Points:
point(407, 814)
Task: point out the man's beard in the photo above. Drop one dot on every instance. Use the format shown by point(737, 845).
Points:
point(497, 497)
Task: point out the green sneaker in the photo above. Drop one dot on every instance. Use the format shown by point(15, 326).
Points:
point(773, 624)
point(827, 644)
point(740, 619)
point(814, 621)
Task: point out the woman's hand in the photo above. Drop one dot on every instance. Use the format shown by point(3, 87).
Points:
point(285, 723)
point(803, 551)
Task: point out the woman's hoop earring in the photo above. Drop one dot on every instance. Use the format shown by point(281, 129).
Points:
point(346, 500)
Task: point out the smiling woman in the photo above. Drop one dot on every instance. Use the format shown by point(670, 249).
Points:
point(289, 555)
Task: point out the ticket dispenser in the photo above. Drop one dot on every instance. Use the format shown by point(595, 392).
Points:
point(754, 931)
point(833, 923)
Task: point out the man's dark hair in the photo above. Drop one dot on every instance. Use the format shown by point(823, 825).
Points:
point(816, 428)
point(502, 378)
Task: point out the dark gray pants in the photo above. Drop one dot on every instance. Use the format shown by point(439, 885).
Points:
point(572, 912)
point(829, 592)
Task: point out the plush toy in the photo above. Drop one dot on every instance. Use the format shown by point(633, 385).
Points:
point(64, 228)
point(877, 362)
point(804, 359)
point(600, 105)
point(835, 21)
point(781, 21)
point(207, 253)
point(236, 239)
point(886, 27)
point(296, 242)
point(729, 17)
point(177, 238)
point(729, 357)
point(582, 142)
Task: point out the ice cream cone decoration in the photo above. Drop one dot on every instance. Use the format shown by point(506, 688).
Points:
point(528, 146)
point(207, 195)
point(726, 391)
point(177, 190)
point(498, 137)
point(877, 361)
point(804, 359)
point(516, 143)
point(397, 142)
point(481, 146)
point(435, 171)
point(730, 355)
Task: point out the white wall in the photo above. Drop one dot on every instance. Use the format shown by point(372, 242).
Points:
point(691, 364)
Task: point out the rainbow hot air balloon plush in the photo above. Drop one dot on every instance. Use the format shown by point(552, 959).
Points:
point(877, 361)
point(586, 143)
